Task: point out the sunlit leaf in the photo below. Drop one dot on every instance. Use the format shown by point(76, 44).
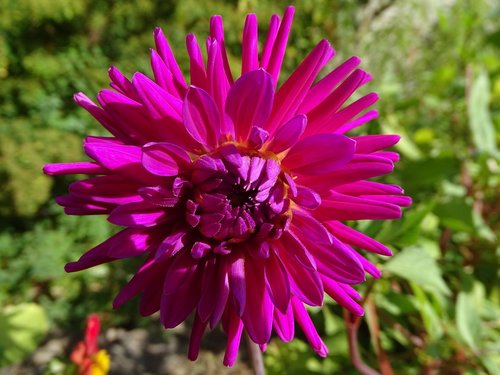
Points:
point(467, 320)
point(481, 126)
point(21, 329)
point(417, 265)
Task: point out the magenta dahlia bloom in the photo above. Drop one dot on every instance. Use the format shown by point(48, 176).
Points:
point(235, 190)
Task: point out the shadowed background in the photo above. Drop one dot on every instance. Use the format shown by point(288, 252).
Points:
point(436, 67)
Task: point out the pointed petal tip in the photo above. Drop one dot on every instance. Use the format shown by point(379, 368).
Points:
point(158, 31)
point(71, 267)
point(322, 350)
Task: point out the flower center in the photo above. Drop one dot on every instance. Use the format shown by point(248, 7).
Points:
point(237, 196)
point(241, 197)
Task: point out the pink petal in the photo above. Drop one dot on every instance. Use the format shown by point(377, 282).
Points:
point(258, 137)
point(217, 33)
point(319, 154)
point(307, 198)
point(195, 339)
point(277, 282)
point(133, 242)
point(220, 291)
point(279, 46)
point(337, 261)
point(128, 115)
point(106, 189)
point(249, 101)
point(234, 331)
point(368, 266)
point(100, 115)
point(109, 250)
point(308, 328)
point(149, 272)
point(237, 284)
point(320, 116)
point(201, 117)
point(160, 104)
point(398, 200)
point(151, 297)
point(304, 282)
point(296, 248)
point(368, 188)
point(250, 45)
point(284, 324)
point(138, 214)
point(361, 167)
point(181, 290)
point(258, 314)
point(214, 291)
point(78, 205)
point(391, 155)
point(163, 75)
point(168, 57)
point(200, 249)
point(197, 67)
point(355, 238)
point(346, 114)
point(366, 144)
point(172, 243)
point(320, 91)
point(164, 159)
point(159, 196)
point(310, 228)
point(288, 135)
point(217, 79)
point(84, 167)
point(292, 92)
point(334, 290)
point(345, 207)
point(120, 83)
point(363, 119)
point(272, 32)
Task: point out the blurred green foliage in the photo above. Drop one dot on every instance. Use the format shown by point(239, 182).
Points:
point(436, 66)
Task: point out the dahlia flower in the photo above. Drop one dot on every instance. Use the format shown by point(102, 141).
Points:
point(235, 190)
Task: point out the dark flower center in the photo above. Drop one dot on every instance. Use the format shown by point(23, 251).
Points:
point(237, 196)
point(241, 197)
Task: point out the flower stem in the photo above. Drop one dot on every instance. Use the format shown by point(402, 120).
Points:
point(352, 325)
point(256, 358)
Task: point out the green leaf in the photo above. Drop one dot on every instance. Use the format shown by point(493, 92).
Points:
point(467, 320)
point(429, 312)
point(456, 214)
point(481, 126)
point(417, 265)
point(22, 327)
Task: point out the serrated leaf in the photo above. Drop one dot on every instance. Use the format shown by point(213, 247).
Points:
point(415, 264)
point(22, 327)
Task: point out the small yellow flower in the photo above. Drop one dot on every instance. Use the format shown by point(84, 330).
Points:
point(100, 363)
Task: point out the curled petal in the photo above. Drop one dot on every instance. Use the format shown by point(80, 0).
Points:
point(249, 101)
point(164, 159)
point(288, 135)
point(201, 117)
